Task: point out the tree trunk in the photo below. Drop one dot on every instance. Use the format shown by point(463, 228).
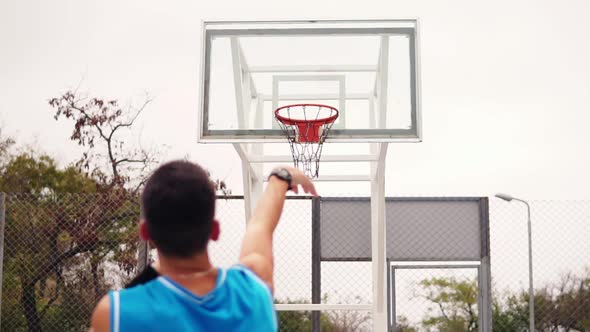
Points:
point(29, 303)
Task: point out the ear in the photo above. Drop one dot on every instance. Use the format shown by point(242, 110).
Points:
point(143, 230)
point(215, 230)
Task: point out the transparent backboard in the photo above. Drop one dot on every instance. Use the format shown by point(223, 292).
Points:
point(368, 70)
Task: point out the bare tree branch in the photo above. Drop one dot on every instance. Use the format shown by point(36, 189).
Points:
point(96, 120)
point(133, 118)
point(49, 266)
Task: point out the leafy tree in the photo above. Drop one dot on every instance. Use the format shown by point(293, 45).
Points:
point(348, 320)
point(39, 241)
point(330, 321)
point(57, 243)
point(5, 143)
point(39, 176)
point(104, 127)
point(571, 302)
point(402, 324)
point(301, 320)
point(456, 301)
point(510, 316)
point(563, 306)
point(60, 245)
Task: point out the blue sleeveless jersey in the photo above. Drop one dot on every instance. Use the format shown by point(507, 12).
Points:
point(240, 301)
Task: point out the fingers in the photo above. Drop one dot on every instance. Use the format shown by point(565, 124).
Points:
point(307, 185)
point(310, 188)
point(313, 191)
point(298, 178)
point(307, 188)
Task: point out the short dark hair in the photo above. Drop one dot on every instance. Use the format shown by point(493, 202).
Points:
point(178, 203)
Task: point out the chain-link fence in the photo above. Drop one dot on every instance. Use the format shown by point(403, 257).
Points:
point(62, 253)
point(440, 299)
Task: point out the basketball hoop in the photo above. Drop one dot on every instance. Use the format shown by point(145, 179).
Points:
point(306, 127)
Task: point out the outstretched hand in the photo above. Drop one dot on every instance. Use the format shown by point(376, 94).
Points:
point(298, 178)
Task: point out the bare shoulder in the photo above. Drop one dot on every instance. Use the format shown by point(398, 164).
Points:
point(261, 266)
point(101, 316)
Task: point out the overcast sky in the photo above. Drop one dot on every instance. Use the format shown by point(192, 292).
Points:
point(505, 87)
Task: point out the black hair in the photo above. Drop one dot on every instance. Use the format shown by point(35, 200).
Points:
point(178, 203)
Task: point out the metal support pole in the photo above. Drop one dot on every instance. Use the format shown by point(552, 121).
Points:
point(509, 198)
point(316, 264)
point(484, 270)
point(2, 221)
point(390, 290)
point(378, 241)
point(142, 255)
point(393, 302)
point(142, 249)
point(531, 289)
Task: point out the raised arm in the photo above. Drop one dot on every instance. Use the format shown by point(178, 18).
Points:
point(257, 253)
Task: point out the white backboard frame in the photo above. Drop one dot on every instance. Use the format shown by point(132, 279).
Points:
point(246, 89)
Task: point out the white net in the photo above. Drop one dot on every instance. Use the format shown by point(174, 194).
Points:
point(306, 127)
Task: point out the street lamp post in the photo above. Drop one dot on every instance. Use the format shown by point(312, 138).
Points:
point(509, 198)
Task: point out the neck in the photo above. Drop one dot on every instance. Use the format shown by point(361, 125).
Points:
point(173, 266)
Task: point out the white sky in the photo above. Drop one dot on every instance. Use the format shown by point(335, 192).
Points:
point(504, 87)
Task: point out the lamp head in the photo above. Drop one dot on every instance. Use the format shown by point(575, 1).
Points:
point(505, 197)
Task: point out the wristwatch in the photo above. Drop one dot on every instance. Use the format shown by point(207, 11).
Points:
point(283, 174)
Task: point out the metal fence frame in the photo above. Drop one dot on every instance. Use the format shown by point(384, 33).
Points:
point(483, 266)
point(315, 309)
point(2, 221)
point(316, 259)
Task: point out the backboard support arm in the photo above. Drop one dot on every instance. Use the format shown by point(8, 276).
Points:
point(378, 236)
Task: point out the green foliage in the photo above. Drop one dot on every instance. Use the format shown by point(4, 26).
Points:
point(456, 301)
point(57, 243)
point(564, 306)
point(39, 175)
point(510, 316)
point(403, 325)
point(295, 320)
point(330, 321)
point(72, 314)
point(65, 226)
point(301, 320)
point(6, 142)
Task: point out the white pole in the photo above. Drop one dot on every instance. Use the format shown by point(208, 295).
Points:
point(530, 239)
point(378, 240)
point(531, 291)
point(509, 198)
